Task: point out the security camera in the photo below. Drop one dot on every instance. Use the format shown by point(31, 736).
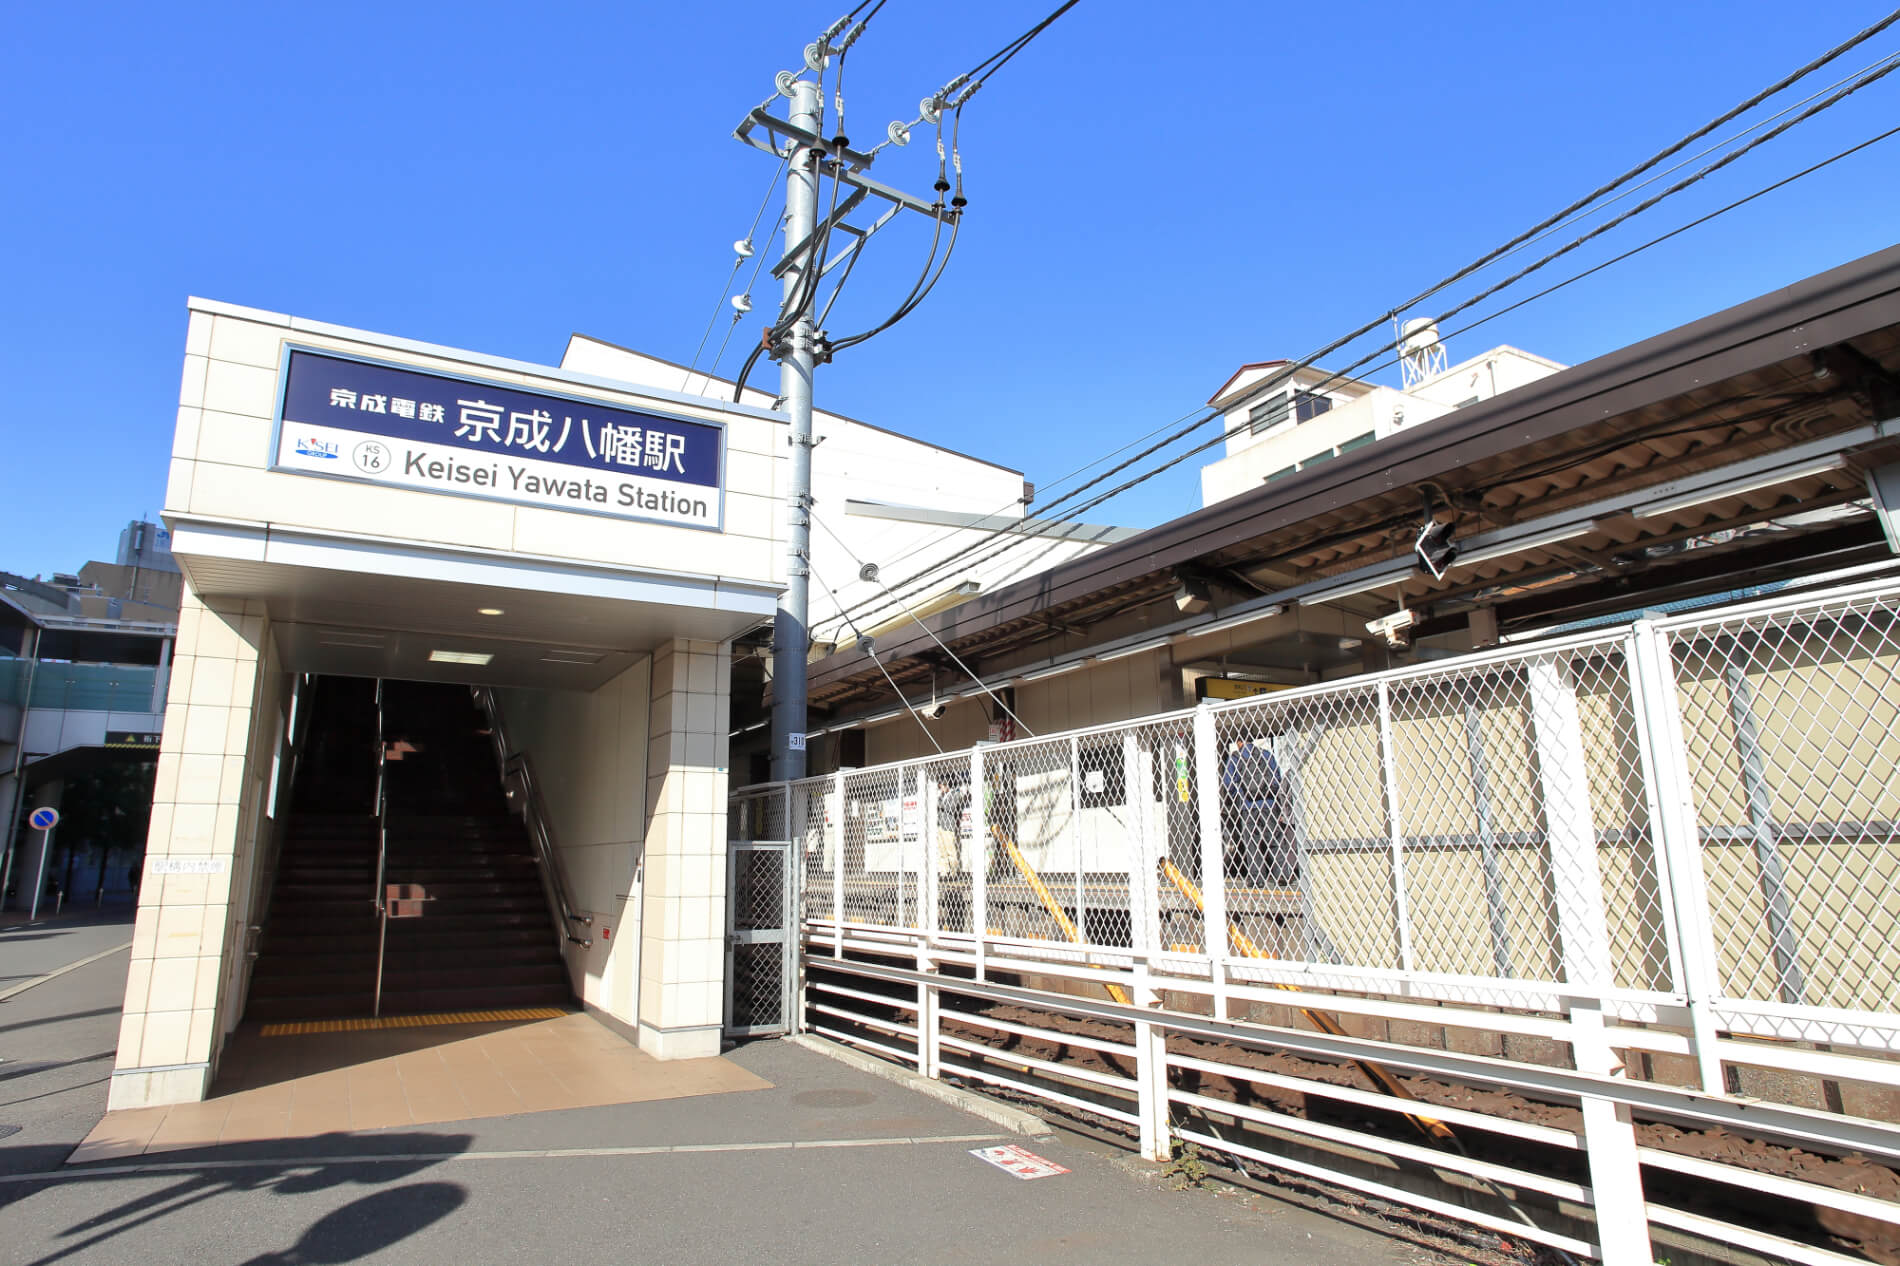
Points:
point(935, 709)
point(1396, 628)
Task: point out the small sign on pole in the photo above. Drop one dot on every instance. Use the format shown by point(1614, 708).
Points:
point(44, 818)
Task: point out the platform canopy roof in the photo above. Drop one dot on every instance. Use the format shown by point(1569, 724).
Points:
point(1731, 451)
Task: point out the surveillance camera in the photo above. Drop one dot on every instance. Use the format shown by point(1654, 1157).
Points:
point(1396, 628)
point(935, 709)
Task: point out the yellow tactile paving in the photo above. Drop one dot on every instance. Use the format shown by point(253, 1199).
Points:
point(301, 1028)
point(375, 1077)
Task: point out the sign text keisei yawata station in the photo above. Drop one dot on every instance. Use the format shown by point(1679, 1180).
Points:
point(379, 423)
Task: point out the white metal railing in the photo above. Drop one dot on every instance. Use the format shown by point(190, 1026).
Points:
point(1681, 835)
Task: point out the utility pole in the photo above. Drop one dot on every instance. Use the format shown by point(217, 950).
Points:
point(800, 345)
point(790, 627)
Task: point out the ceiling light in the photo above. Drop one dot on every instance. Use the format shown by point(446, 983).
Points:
point(1232, 622)
point(1351, 587)
point(477, 659)
point(1136, 649)
point(1056, 671)
point(572, 657)
point(1737, 487)
point(488, 611)
point(1507, 548)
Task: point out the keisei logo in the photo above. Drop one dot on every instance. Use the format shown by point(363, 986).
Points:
point(311, 447)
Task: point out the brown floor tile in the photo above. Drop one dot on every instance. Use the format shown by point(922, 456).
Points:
point(297, 1087)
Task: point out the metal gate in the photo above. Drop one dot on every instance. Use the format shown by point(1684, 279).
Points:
point(761, 974)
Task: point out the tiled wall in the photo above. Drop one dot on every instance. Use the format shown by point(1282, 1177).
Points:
point(205, 805)
point(682, 963)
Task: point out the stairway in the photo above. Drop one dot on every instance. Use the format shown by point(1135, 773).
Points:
point(484, 938)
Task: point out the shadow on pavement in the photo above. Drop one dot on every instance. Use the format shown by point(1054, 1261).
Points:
point(355, 1230)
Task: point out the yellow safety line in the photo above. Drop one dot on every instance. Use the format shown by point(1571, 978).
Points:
point(298, 1028)
point(1380, 1075)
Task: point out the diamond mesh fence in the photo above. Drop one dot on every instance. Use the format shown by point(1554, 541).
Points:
point(883, 835)
point(1486, 820)
point(1789, 720)
point(759, 913)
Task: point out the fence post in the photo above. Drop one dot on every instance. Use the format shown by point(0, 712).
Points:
point(929, 881)
point(1609, 1141)
point(980, 864)
point(1395, 828)
point(1151, 1073)
point(1144, 919)
point(1213, 864)
point(836, 813)
point(1680, 853)
point(1569, 825)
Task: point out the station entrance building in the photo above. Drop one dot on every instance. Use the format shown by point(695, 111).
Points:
point(407, 568)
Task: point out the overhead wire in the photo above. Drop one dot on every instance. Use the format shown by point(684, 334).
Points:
point(1000, 511)
point(918, 621)
point(1876, 72)
point(1524, 244)
point(871, 650)
point(738, 262)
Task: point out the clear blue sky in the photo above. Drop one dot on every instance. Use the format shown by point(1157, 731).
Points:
point(1158, 193)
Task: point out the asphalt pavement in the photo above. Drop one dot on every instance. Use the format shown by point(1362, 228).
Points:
point(830, 1165)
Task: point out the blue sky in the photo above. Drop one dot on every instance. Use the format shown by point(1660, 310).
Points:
point(1157, 195)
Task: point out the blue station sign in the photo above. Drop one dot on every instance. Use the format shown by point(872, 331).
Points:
point(389, 424)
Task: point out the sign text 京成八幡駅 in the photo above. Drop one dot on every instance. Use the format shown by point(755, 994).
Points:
point(391, 425)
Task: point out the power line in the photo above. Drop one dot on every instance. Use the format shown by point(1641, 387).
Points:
point(1879, 70)
point(719, 303)
point(1655, 241)
point(872, 575)
point(871, 650)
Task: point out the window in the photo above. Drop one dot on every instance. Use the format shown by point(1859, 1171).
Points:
point(1307, 406)
point(1281, 473)
point(1269, 413)
point(1467, 403)
point(1357, 441)
point(1316, 459)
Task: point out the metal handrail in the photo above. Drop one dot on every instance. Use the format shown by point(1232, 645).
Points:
point(382, 847)
point(524, 796)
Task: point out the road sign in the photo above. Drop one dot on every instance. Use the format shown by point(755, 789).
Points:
point(44, 818)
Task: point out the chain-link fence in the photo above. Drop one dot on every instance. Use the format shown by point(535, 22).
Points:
point(1790, 719)
point(1705, 809)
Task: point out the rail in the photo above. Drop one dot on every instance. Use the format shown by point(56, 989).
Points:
point(524, 796)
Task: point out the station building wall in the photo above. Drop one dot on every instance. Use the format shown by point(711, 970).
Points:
point(641, 828)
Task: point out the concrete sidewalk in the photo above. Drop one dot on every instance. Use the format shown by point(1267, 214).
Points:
point(829, 1164)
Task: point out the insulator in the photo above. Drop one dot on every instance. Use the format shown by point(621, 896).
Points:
point(785, 79)
point(898, 132)
point(815, 58)
point(743, 248)
point(743, 303)
point(868, 572)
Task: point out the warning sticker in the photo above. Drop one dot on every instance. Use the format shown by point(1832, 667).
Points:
point(1019, 1161)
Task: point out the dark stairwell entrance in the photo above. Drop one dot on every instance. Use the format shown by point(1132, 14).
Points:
point(474, 932)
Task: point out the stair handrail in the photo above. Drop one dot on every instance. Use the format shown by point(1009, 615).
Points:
point(524, 797)
point(382, 848)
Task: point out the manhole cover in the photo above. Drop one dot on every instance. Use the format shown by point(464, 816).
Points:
point(832, 1098)
point(8, 1130)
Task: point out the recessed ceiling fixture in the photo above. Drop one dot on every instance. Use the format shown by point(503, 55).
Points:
point(476, 658)
point(488, 611)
